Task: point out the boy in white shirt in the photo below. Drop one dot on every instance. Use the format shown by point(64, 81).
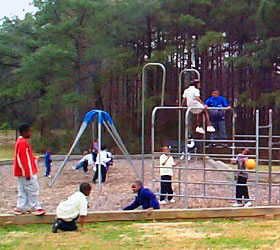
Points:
point(166, 173)
point(88, 159)
point(191, 98)
point(103, 156)
point(67, 212)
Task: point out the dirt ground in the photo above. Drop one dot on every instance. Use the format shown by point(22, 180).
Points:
point(116, 192)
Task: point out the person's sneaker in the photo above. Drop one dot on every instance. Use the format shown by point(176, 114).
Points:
point(210, 129)
point(248, 204)
point(49, 176)
point(172, 200)
point(162, 202)
point(18, 211)
point(56, 225)
point(74, 167)
point(39, 212)
point(237, 204)
point(199, 130)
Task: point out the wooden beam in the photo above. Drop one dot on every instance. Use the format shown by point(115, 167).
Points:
point(175, 214)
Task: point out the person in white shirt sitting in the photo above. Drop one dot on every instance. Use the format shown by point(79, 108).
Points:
point(67, 212)
point(166, 172)
point(191, 98)
point(103, 158)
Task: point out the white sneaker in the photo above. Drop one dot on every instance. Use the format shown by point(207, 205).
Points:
point(172, 200)
point(237, 204)
point(210, 129)
point(73, 167)
point(248, 204)
point(200, 130)
point(162, 202)
point(49, 176)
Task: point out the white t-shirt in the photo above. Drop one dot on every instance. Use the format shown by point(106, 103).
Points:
point(103, 155)
point(166, 169)
point(191, 93)
point(89, 158)
point(71, 208)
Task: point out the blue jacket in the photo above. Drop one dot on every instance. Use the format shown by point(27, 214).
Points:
point(47, 159)
point(145, 198)
point(219, 101)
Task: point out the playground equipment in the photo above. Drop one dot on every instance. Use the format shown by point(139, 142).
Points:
point(143, 107)
point(105, 119)
point(236, 142)
point(253, 145)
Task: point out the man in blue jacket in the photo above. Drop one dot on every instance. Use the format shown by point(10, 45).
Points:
point(217, 117)
point(145, 197)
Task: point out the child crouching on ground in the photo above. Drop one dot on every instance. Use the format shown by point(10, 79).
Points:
point(68, 212)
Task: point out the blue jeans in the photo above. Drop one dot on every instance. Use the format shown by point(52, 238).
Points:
point(83, 164)
point(220, 130)
point(48, 169)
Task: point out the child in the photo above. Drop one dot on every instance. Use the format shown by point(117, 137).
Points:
point(85, 161)
point(69, 211)
point(25, 170)
point(48, 162)
point(109, 163)
point(242, 178)
point(103, 158)
point(166, 173)
point(191, 98)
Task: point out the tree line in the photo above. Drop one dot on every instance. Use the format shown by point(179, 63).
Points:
point(76, 55)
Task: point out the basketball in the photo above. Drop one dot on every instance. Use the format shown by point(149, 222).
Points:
point(250, 164)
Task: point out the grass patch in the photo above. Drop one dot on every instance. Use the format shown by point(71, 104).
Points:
point(6, 152)
point(207, 234)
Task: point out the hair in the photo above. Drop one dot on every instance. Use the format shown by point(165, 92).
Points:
point(194, 82)
point(138, 183)
point(215, 90)
point(103, 147)
point(23, 128)
point(85, 187)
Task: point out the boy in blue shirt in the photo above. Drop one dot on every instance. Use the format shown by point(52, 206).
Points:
point(48, 160)
point(145, 198)
point(217, 117)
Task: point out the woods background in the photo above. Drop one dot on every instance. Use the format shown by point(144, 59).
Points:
point(76, 55)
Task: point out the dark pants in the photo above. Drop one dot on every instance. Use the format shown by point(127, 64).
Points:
point(103, 174)
point(67, 225)
point(241, 190)
point(48, 169)
point(220, 130)
point(84, 165)
point(166, 187)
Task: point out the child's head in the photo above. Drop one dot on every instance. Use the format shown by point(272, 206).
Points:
point(25, 130)
point(195, 83)
point(103, 147)
point(85, 188)
point(48, 149)
point(85, 152)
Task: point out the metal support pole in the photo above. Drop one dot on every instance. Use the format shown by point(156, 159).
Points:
point(269, 157)
point(99, 150)
point(153, 147)
point(180, 103)
point(186, 159)
point(81, 131)
point(257, 157)
point(204, 159)
point(143, 107)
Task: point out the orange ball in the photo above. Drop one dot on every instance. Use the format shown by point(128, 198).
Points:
point(250, 164)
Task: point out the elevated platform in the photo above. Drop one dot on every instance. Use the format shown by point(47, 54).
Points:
point(156, 215)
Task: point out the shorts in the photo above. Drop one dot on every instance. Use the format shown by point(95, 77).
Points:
point(198, 107)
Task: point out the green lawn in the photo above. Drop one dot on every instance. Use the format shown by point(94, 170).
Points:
point(210, 234)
